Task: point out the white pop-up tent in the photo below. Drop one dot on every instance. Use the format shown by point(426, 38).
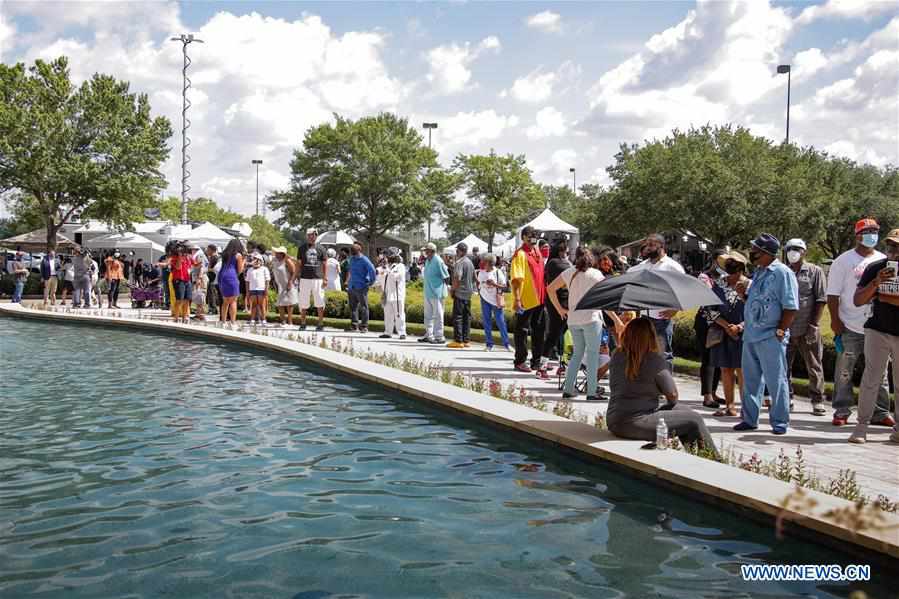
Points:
point(472, 241)
point(551, 227)
point(128, 242)
point(208, 234)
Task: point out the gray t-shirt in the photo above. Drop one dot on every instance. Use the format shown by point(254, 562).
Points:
point(631, 399)
point(463, 271)
point(811, 283)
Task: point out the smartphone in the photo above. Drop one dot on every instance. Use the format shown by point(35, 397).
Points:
point(649, 446)
point(894, 266)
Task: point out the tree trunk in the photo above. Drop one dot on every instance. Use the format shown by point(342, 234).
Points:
point(490, 236)
point(52, 228)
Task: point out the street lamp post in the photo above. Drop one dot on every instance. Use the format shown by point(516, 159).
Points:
point(429, 127)
point(573, 172)
point(781, 69)
point(185, 39)
point(257, 163)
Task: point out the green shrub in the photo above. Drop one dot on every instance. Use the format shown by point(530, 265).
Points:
point(33, 285)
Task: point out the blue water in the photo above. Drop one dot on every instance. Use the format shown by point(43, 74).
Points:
point(137, 465)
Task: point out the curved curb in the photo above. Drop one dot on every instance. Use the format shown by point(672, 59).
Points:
point(715, 482)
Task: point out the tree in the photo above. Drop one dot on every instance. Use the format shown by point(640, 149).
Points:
point(198, 210)
point(366, 176)
point(562, 201)
point(268, 234)
point(94, 148)
point(500, 194)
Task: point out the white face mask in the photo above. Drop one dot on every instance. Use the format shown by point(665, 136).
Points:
point(793, 256)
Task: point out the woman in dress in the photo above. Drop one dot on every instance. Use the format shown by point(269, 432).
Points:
point(284, 270)
point(229, 286)
point(725, 334)
point(332, 266)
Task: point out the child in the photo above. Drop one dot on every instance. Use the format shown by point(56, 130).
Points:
point(258, 278)
point(491, 283)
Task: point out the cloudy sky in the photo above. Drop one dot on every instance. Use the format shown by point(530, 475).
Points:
point(563, 83)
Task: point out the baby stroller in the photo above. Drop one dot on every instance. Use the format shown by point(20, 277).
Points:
point(146, 297)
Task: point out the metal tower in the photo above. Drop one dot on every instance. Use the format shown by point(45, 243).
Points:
point(185, 39)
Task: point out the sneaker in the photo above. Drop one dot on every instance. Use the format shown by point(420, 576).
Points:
point(594, 398)
point(488, 348)
point(424, 340)
point(523, 368)
point(320, 328)
point(894, 437)
point(384, 336)
point(840, 420)
point(779, 431)
point(857, 438)
point(570, 395)
point(402, 336)
point(744, 426)
point(466, 344)
point(363, 330)
point(353, 327)
point(455, 345)
point(438, 341)
point(509, 348)
point(818, 409)
point(887, 421)
point(302, 327)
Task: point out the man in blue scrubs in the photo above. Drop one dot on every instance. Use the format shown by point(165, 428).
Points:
point(771, 304)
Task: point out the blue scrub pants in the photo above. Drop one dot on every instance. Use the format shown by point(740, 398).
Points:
point(765, 362)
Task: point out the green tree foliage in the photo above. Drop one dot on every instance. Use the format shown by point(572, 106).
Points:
point(500, 195)
point(198, 210)
point(562, 201)
point(366, 176)
point(93, 149)
point(727, 185)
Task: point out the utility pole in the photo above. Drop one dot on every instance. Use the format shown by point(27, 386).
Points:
point(781, 69)
point(257, 163)
point(429, 127)
point(185, 39)
point(573, 180)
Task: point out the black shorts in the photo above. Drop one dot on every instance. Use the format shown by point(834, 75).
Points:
point(182, 289)
point(68, 286)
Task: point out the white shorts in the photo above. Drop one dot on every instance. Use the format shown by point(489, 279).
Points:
point(314, 288)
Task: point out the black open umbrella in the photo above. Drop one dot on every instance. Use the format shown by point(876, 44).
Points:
point(646, 289)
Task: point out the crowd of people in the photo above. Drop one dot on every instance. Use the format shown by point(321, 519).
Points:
point(769, 312)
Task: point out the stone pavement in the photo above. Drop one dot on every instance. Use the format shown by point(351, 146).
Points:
point(824, 446)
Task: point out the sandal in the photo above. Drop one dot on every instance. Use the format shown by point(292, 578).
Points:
point(725, 413)
point(710, 403)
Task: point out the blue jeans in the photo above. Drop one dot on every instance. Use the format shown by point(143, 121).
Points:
point(489, 312)
point(765, 363)
point(17, 291)
point(586, 343)
point(665, 331)
point(853, 347)
point(359, 307)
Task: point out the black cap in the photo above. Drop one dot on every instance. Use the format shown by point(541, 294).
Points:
point(462, 247)
point(767, 243)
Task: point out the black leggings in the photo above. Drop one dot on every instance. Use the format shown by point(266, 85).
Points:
point(709, 376)
point(530, 323)
point(555, 332)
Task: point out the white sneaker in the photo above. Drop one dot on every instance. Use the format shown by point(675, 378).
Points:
point(894, 437)
point(488, 348)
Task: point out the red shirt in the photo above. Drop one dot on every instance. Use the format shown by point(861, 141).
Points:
point(181, 268)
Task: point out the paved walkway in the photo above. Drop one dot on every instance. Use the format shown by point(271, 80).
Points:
point(824, 446)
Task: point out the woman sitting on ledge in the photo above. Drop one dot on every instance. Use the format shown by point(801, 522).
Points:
point(638, 376)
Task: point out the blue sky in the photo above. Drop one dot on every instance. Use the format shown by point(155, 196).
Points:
point(562, 82)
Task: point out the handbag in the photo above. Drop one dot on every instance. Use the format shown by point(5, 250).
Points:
point(714, 336)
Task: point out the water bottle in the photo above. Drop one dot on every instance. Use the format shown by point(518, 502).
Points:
point(661, 434)
point(838, 343)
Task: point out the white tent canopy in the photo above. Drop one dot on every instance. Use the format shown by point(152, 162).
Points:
point(140, 245)
point(208, 234)
point(472, 241)
point(505, 249)
point(552, 227)
point(339, 238)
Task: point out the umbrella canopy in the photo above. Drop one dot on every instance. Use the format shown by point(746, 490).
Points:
point(335, 238)
point(648, 290)
point(36, 241)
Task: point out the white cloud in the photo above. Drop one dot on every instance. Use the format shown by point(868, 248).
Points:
point(549, 122)
point(846, 9)
point(535, 87)
point(7, 33)
point(564, 159)
point(548, 21)
point(468, 129)
point(449, 64)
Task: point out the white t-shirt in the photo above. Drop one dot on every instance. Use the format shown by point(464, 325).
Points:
point(491, 294)
point(665, 263)
point(842, 281)
point(578, 285)
point(258, 278)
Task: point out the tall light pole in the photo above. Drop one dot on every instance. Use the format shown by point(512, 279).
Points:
point(185, 39)
point(781, 69)
point(429, 127)
point(573, 180)
point(257, 163)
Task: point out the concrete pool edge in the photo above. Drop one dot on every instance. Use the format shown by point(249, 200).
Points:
point(718, 482)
